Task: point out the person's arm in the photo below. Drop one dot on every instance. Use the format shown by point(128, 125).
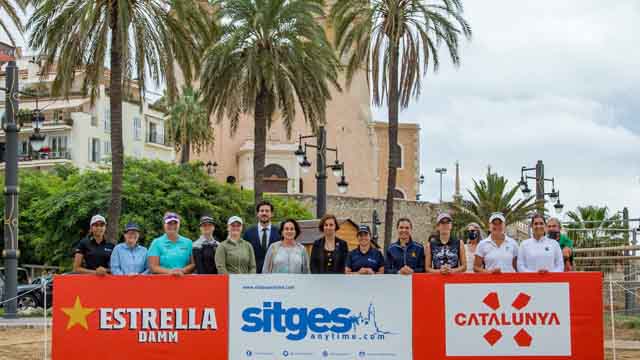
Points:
point(522, 260)
point(389, 264)
point(305, 261)
point(145, 267)
point(463, 259)
point(190, 266)
point(252, 260)
point(347, 264)
point(420, 262)
point(514, 261)
point(78, 258)
point(154, 265)
point(221, 260)
point(428, 262)
point(478, 265)
point(344, 250)
point(315, 258)
point(267, 266)
point(558, 259)
point(114, 262)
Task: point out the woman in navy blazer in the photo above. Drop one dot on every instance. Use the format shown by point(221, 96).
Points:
point(329, 253)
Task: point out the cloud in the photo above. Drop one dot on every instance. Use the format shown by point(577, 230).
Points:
point(544, 80)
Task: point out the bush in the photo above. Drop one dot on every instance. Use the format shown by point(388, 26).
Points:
point(56, 206)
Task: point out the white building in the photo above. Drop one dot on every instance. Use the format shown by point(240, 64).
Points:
point(78, 132)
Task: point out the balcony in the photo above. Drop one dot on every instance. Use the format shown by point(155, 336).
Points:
point(42, 161)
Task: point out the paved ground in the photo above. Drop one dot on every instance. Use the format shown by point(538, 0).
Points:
point(23, 323)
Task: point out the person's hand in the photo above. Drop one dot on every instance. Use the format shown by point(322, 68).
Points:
point(101, 271)
point(444, 270)
point(543, 271)
point(362, 271)
point(177, 272)
point(405, 270)
point(566, 252)
point(369, 271)
point(495, 271)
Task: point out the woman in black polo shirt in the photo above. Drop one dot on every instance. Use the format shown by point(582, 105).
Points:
point(329, 253)
point(366, 259)
point(93, 253)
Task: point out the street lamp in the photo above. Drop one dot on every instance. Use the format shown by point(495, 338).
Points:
point(441, 171)
point(554, 195)
point(37, 139)
point(420, 182)
point(337, 168)
point(211, 167)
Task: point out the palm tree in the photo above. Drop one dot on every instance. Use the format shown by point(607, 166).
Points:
point(273, 56)
point(396, 41)
point(9, 7)
point(492, 195)
point(139, 38)
point(188, 124)
point(594, 226)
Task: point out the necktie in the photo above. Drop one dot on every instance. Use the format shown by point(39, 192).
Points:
point(264, 238)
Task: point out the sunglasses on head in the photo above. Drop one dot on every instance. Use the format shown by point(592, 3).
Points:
point(445, 221)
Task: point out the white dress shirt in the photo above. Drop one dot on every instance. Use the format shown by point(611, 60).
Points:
point(535, 255)
point(495, 256)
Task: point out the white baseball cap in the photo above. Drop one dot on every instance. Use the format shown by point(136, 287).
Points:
point(443, 216)
point(234, 219)
point(96, 219)
point(498, 216)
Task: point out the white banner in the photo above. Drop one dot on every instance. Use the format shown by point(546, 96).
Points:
point(508, 319)
point(320, 317)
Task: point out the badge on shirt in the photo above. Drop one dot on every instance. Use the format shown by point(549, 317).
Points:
point(413, 254)
point(546, 248)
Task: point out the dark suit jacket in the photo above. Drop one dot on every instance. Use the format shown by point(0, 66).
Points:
point(252, 236)
point(318, 265)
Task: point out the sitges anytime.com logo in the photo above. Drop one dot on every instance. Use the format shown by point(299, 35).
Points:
point(298, 323)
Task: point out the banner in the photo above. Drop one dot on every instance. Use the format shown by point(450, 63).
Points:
point(320, 317)
point(140, 317)
point(508, 316)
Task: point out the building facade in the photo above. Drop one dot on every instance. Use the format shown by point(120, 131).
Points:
point(76, 131)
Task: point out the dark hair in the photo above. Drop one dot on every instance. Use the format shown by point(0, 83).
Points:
point(264, 203)
point(404, 219)
point(324, 220)
point(538, 216)
point(295, 225)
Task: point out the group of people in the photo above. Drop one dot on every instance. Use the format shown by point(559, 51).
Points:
point(263, 248)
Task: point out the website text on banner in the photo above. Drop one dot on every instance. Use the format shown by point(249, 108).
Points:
point(140, 317)
point(320, 317)
point(508, 316)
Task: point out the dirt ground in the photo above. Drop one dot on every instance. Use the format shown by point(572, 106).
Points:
point(26, 344)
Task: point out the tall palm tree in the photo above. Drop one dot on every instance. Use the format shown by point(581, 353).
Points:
point(396, 41)
point(594, 226)
point(273, 56)
point(188, 124)
point(491, 195)
point(138, 38)
point(13, 17)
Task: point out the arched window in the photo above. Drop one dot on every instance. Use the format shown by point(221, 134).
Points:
point(398, 194)
point(275, 179)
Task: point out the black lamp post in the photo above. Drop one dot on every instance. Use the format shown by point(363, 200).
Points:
point(554, 195)
point(337, 168)
point(420, 182)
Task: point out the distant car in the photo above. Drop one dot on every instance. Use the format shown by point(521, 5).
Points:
point(23, 279)
point(32, 295)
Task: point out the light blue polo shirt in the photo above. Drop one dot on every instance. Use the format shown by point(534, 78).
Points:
point(173, 255)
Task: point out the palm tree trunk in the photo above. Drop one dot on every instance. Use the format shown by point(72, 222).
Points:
point(394, 159)
point(115, 99)
point(185, 152)
point(260, 142)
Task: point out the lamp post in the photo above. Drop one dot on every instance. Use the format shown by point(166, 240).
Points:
point(539, 178)
point(441, 171)
point(337, 168)
point(11, 252)
point(420, 182)
point(211, 167)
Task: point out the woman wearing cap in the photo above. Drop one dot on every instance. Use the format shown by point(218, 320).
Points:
point(474, 235)
point(329, 253)
point(498, 253)
point(235, 255)
point(539, 253)
point(204, 249)
point(93, 253)
point(129, 258)
point(366, 259)
point(287, 256)
point(445, 254)
point(171, 253)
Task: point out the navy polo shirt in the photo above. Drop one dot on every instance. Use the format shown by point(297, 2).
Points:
point(372, 259)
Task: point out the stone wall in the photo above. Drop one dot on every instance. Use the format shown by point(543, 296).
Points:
point(360, 210)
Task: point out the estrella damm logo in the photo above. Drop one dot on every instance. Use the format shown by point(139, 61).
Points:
point(298, 323)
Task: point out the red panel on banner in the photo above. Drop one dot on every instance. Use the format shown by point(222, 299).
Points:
point(140, 317)
point(508, 316)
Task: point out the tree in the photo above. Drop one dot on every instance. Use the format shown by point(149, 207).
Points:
point(139, 38)
point(9, 7)
point(594, 226)
point(492, 195)
point(273, 56)
point(395, 41)
point(57, 207)
point(188, 124)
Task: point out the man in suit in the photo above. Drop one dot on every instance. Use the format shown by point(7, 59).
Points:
point(262, 234)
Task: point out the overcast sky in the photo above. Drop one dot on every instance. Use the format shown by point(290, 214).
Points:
point(557, 81)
